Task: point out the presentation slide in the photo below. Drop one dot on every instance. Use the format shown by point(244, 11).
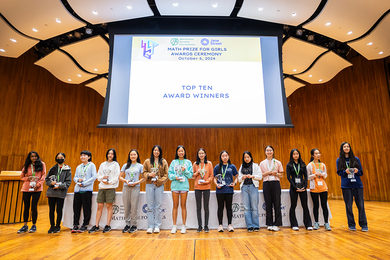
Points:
point(196, 80)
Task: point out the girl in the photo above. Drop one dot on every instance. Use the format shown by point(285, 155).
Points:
point(108, 176)
point(224, 173)
point(272, 170)
point(202, 175)
point(58, 179)
point(318, 188)
point(249, 175)
point(179, 172)
point(297, 176)
point(156, 174)
point(84, 178)
point(131, 176)
point(350, 169)
point(33, 175)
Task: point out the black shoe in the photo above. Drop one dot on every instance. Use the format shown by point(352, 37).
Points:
point(106, 229)
point(133, 229)
point(126, 229)
point(23, 229)
point(33, 229)
point(250, 230)
point(82, 229)
point(93, 229)
point(256, 229)
point(74, 229)
point(199, 229)
point(206, 229)
point(50, 230)
point(57, 229)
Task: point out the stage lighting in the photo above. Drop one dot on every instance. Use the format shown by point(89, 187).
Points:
point(299, 32)
point(88, 31)
point(310, 37)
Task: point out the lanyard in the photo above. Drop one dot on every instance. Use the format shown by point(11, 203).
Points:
point(299, 168)
point(202, 170)
point(154, 165)
point(224, 173)
point(269, 165)
point(347, 164)
point(319, 166)
point(84, 169)
point(132, 171)
point(32, 170)
point(180, 162)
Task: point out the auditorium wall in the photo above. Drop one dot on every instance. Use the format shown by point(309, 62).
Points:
point(39, 112)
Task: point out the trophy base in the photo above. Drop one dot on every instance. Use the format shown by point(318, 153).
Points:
point(31, 189)
point(154, 179)
point(201, 181)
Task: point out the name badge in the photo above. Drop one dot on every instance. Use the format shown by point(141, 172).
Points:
point(320, 183)
point(353, 180)
point(271, 177)
point(297, 180)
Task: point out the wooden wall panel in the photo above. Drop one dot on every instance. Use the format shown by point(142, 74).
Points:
point(39, 112)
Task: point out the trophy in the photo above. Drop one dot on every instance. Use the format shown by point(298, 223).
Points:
point(228, 179)
point(83, 177)
point(154, 170)
point(179, 172)
point(351, 174)
point(53, 178)
point(33, 183)
point(298, 183)
point(202, 173)
point(106, 173)
point(220, 180)
point(318, 171)
point(131, 182)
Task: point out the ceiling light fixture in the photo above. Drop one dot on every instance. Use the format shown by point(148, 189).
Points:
point(310, 76)
point(94, 12)
point(299, 32)
point(58, 20)
point(175, 4)
point(320, 80)
point(95, 69)
point(381, 52)
point(327, 24)
point(35, 30)
point(294, 14)
point(310, 37)
point(261, 8)
point(69, 80)
point(13, 40)
point(370, 43)
point(294, 70)
point(215, 5)
point(88, 31)
point(350, 32)
point(129, 7)
point(2, 50)
point(78, 75)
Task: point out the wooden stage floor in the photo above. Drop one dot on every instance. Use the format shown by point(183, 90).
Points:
point(340, 243)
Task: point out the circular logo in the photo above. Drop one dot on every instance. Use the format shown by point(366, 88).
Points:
point(174, 41)
point(263, 206)
point(145, 208)
point(115, 209)
point(204, 42)
point(236, 207)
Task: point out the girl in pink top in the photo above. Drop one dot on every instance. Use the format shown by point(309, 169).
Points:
point(272, 170)
point(33, 174)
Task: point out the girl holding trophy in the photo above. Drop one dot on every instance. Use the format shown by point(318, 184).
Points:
point(33, 175)
point(131, 176)
point(58, 179)
point(224, 173)
point(179, 172)
point(272, 170)
point(318, 190)
point(155, 171)
point(203, 170)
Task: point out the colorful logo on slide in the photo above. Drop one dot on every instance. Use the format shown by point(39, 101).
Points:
point(148, 48)
point(174, 41)
point(204, 42)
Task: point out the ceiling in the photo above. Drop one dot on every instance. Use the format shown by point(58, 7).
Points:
point(72, 34)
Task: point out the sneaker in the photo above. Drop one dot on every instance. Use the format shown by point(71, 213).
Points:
point(316, 226)
point(174, 229)
point(206, 229)
point(156, 230)
point(364, 229)
point(199, 229)
point(250, 230)
point(295, 228)
point(327, 227)
point(57, 229)
point(82, 229)
point(75, 229)
point(220, 228)
point(309, 228)
point(23, 229)
point(33, 229)
point(133, 229)
point(275, 228)
point(230, 228)
point(256, 229)
point(352, 228)
point(93, 229)
point(270, 228)
point(51, 230)
point(149, 231)
point(126, 229)
point(106, 229)
point(183, 229)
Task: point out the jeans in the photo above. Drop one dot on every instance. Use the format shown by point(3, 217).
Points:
point(130, 202)
point(250, 199)
point(154, 197)
point(348, 195)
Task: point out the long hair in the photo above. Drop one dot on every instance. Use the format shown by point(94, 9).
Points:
point(38, 163)
point(352, 159)
point(300, 161)
point(129, 162)
point(177, 149)
point(197, 156)
point(159, 157)
point(87, 153)
point(221, 162)
point(273, 156)
point(247, 165)
point(312, 154)
point(114, 152)
point(55, 158)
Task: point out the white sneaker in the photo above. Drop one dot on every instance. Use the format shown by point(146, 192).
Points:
point(149, 231)
point(270, 228)
point(310, 228)
point(174, 229)
point(295, 228)
point(275, 228)
point(230, 228)
point(220, 228)
point(183, 229)
point(156, 230)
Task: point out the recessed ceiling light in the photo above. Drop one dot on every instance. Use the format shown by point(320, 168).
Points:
point(294, 70)
point(261, 8)
point(129, 7)
point(94, 12)
point(320, 80)
point(13, 40)
point(69, 80)
point(2, 50)
point(95, 69)
point(370, 43)
point(215, 5)
point(58, 20)
point(350, 32)
point(381, 52)
point(310, 76)
point(175, 3)
point(294, 14)
point(78, 75)
point(327, 24)
point(35, 30)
